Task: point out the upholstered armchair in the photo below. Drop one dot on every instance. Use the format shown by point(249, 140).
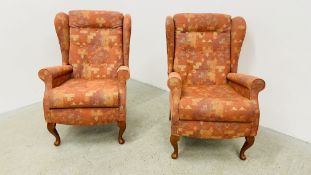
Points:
point(89, 88)
point(208, 98)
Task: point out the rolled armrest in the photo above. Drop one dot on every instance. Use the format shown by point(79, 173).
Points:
point(54, 71)
point(246, 85)
point(174, 81)
point(123, 73)
point(247, 81)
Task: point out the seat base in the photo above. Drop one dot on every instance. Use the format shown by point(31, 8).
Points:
point(83, 93)
point(216, 103)
point(213, 130)
point(84, 116)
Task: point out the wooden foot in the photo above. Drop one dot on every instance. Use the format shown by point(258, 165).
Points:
point(174, 139)
point(52, 129)
point(122, 126)
point(249, 141)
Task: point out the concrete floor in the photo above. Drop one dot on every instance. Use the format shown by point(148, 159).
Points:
point(27, 147)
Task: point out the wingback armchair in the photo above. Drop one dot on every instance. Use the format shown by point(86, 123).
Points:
point(89, 88)
point(208, 98)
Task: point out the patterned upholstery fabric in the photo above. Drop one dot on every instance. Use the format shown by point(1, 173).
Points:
point(202, 51)
point(95, 19)
point(126, 38)
point(170, 36)
point(90, 87)
point(76, 93)
point(61, 23)
point(96, 43)
point(212, 130)
point(215, 103)
point(237, 37)
point(84, 116)
point(208, 98)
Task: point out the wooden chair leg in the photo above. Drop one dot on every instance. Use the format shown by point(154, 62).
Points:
point(174, 139)
point(122, 126)
point(52, 129)
point(249, 141)
point(170, 117)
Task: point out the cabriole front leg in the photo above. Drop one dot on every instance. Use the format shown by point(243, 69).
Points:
point(174, 139)
point(122, 126)
point(249, 141)
point(52, 129)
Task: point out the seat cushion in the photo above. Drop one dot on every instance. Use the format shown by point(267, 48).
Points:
point(76, 93)
point(215, 103)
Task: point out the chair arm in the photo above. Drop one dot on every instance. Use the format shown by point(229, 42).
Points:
point(54, 72)
point(123, 73)
point(253, 84)
point(174, 83)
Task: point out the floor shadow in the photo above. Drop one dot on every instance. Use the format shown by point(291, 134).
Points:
point(203, 148)
point(91, 134)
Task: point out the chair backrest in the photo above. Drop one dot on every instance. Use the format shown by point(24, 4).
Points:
point(96, 42)
point(205, 46)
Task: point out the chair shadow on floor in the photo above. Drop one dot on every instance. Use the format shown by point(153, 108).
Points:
point(203, 149)
point(90, 134)
point(266, 147)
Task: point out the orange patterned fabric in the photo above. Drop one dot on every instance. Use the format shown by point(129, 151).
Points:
point(174, 83)
point(54, 72)
point(77, 93)
point(95, 52)
point(170, 34)
point(215, 103)
point(202, 50)
point(248, 86)
point(202, 22)
point(61, 23)
point(237, 37)
point(123, 73)
point(84, 116)
point(127, 22)
point(95, 19)
point(212, 130)
point(90, 87)
point(207, 100)
point(54, 76)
